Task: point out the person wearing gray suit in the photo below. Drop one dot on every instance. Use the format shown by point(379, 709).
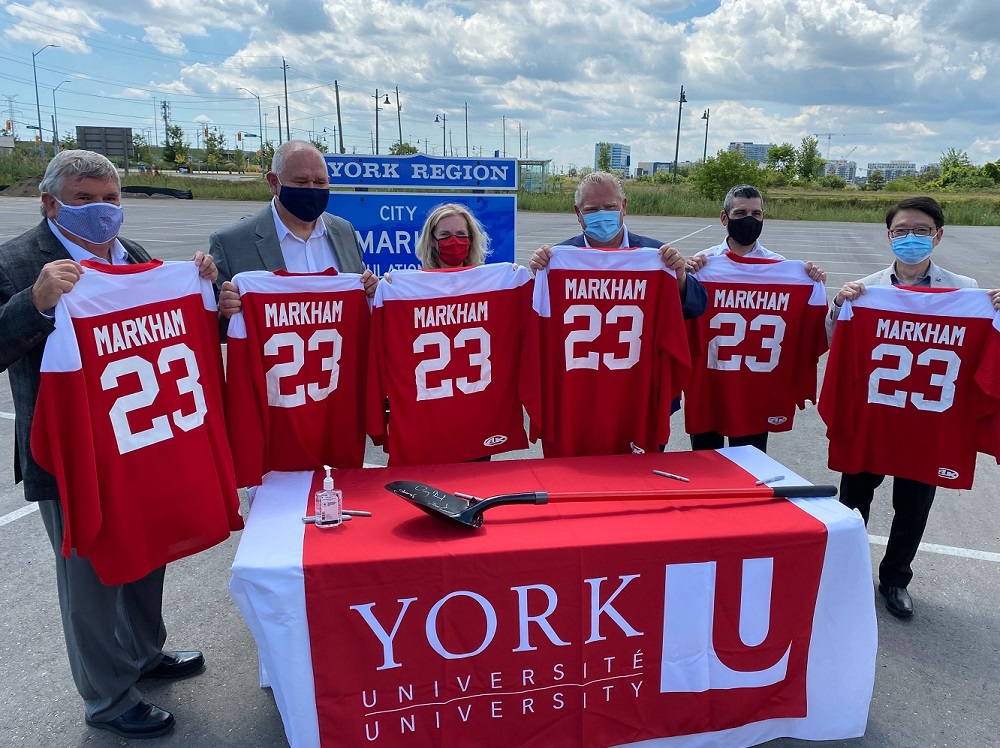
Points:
point(114, 634)
point(914, 228)
point(294, 232)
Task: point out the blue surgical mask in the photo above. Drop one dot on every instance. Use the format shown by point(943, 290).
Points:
point(97, 223)
point(912, 249)
point(603, 225)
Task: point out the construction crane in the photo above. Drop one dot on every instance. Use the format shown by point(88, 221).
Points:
point(829, 136)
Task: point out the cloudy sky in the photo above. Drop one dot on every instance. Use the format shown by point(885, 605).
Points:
point(890, 79)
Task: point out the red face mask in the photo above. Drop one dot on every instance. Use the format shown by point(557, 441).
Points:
point(453, 250)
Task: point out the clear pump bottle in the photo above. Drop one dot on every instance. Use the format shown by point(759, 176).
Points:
point(329, 503)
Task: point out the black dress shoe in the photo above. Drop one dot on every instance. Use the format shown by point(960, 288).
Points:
point(141, 721)
point(177, 665)
point(897, 600)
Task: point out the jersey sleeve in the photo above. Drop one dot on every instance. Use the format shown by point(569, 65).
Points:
point(245, 407)
point(837, 398)
point(376, 420)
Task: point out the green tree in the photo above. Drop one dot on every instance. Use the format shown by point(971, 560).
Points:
point(724, 170)
point(215, 144)
point(781, 159)
point(571, 172)
point(953, 158)
point(604, 156)
point(402, 149)
point(833, 182)
point(239, 160)
point(992, 171)
point(140, 145)
point(68, 142)
point(320, 145)
point(175, 147)
point(876, 181)
point(267, 153)
point(808, 164)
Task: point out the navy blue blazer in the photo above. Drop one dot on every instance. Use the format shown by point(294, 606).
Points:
point(694, 300)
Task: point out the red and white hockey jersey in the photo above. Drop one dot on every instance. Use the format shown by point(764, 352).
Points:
point(613, 351)
point(912, 388)
point(754, 351)
point(447, 351)
point(129, 418)
point(295, 376)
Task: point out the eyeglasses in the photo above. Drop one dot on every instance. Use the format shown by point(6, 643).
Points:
point(919, 231)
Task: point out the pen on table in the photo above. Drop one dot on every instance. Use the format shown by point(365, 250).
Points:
point(665, 474)
point(772, 479)
point(356, 513)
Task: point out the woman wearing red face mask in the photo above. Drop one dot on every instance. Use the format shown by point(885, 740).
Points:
point(452, 238)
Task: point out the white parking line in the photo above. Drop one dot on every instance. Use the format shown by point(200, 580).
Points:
point(8, 416)
point(693, 233)
point(22, 512)
point(945, 550)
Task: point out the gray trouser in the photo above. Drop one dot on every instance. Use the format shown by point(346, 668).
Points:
point(113, 633)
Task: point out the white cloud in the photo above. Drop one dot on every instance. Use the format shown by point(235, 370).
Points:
point(167, 42)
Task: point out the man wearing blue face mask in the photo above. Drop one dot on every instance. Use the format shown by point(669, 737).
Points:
point(914, 226)
point(599, 205)
point(294, 232)
point(114, 633)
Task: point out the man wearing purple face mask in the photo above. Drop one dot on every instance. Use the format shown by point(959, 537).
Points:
point(914, 226)
point(294, 232)
point(114, 633)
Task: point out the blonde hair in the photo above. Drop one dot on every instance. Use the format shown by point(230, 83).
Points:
point(479, 241)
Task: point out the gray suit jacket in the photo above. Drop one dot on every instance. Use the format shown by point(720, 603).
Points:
point(940, 278)
point(23, 331)
point(252, 244)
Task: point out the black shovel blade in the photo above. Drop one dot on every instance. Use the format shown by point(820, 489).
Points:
point(438, 503)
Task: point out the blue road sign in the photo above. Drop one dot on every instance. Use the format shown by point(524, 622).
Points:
point(421, 171)
point(388, 224)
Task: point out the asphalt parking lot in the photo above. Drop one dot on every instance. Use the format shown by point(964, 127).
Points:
point(937, 681)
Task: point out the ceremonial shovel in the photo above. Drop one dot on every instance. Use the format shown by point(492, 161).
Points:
point(468, 510)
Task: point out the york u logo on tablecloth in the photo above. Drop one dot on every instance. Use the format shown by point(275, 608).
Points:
point(692, 627)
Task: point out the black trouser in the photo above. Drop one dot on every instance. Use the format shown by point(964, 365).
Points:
point(715, 440)
point(911, 504)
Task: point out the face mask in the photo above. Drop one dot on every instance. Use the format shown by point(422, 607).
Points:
point(453, 250)
point(744, 231)
point(97, 223)
point(912, 249)
point(603, 225)
point(305, 203)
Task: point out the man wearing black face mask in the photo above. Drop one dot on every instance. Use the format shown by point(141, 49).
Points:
point(293, 233)
point(743, 216)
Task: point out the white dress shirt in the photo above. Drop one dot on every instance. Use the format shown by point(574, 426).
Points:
point(313, 255)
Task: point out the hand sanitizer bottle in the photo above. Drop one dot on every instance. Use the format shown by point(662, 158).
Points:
point(329, 503)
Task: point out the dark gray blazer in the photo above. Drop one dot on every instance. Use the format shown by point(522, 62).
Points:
point(252, 244)
point(23, 331)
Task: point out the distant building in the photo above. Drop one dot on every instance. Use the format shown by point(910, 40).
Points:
point(846, 170)
point(753, 151)
point(893, 169)
point(621, 157)
point(649, 168)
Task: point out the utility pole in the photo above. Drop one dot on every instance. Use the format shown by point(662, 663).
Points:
point(503, 127)
point(165, 106)
point(526, 144)
point(519, 140)
point(375, 151)
point(340, 125)
point(279, 124)
point(156, 130)
point(466, 129)
point(677, 144)
point(399, 117)
point(284, 72)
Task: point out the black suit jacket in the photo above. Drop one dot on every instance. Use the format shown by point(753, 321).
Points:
point(694, 300)
point(23, 331)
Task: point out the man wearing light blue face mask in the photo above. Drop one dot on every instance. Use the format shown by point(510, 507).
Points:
point(914, 226)
point(600, 205)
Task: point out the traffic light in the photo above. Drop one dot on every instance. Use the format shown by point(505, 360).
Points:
point(239, 136)
point(206, 131)
point(10, 126)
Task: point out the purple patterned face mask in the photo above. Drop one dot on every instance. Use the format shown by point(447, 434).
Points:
point(97, 223)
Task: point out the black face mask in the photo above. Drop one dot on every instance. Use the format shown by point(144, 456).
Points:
point(305, 203)
point(744, 231)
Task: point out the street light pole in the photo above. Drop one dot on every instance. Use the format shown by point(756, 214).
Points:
point(260, 128)
point(38, 106)
point(704, 156)
point(55, 121)
point(443, 119)
point(677, 144)
point(399, 116)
